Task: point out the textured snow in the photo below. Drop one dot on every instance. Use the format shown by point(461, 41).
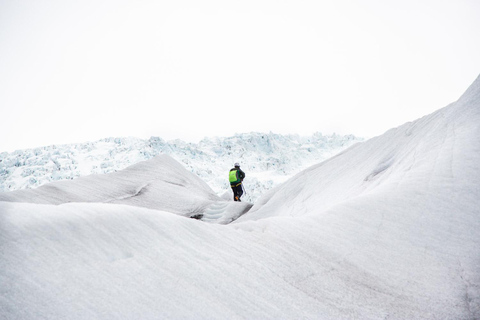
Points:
point(387, 229)
point(268, 159)
point(160, 183)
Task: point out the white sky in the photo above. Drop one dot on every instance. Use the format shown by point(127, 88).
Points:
point(76, 71)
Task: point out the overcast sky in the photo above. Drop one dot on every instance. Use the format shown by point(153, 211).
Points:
point(76, 71)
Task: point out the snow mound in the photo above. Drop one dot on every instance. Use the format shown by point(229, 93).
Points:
point(103, 261)
point(160, 183)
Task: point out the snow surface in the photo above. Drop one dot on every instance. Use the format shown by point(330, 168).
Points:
point(268, 159)
point(388, 229)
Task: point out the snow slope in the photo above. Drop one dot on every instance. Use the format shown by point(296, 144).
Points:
point(435, 154)
point(386, 229)
point(267, 158)
point(402, 210)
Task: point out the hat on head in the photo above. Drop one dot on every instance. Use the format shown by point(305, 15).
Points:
point(237, 164)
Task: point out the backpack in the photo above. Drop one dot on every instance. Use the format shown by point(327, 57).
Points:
point(233, 177)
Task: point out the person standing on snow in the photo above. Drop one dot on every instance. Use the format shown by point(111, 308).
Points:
point(236, 177)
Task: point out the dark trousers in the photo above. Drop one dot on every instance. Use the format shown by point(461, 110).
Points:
point(237, 192)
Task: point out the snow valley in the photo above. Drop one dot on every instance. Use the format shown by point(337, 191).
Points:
point(388, 228)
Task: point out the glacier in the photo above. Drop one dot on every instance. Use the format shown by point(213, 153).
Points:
point(268, 158)
point(385, 229)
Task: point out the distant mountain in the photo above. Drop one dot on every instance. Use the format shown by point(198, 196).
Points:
point(267, 159)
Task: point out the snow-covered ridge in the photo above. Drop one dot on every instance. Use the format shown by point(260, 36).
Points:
point(266, 158)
